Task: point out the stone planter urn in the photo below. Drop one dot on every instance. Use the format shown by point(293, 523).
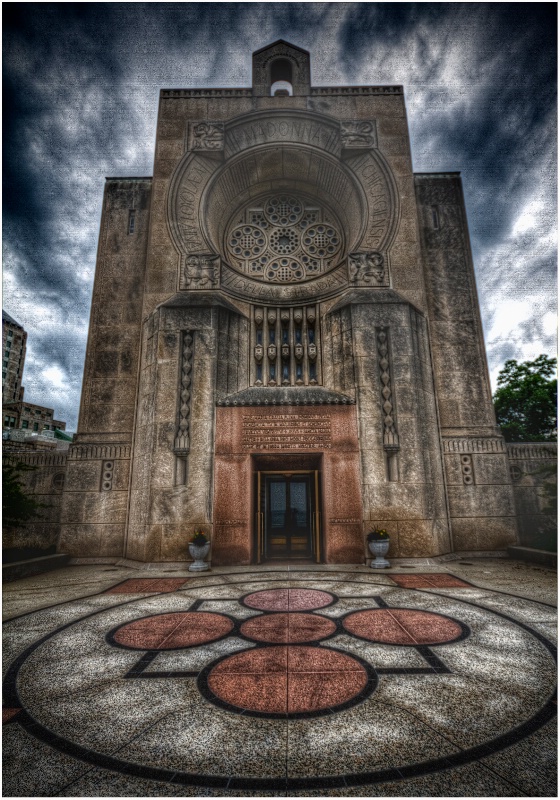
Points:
point(199, 553)
point(379, 549)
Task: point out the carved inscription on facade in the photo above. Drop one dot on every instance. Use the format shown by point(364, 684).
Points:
point(287, 432)
point(383, 212)
point(282, 129)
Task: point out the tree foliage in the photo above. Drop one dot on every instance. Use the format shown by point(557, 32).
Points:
point(525, 400)
point(17, 506)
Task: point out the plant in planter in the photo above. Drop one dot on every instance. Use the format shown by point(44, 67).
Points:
point(378, 543)
point(199, 545)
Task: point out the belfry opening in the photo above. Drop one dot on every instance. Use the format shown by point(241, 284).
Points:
point(285, 346)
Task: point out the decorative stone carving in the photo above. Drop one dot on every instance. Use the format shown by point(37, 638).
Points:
point(182, 438)
point(200, 271)
point(467, 469)
point(366, 269)
point(207, 136)
point(107, 476)
point(390, 436)
point(284, 239)
point(357, 134)
point(487, 445)
point(85, 452)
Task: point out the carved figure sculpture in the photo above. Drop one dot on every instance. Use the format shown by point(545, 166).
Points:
point(357, 133)
point(201, 271)
point(366, 269)
point(208, 136)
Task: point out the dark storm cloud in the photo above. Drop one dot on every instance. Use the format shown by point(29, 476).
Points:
point(80, 102)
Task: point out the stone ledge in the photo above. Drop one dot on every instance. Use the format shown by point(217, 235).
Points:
point(543, 557)
point(33, 566)
point(286, 396)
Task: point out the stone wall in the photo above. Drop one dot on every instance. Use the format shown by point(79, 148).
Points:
point(44, 483)
point(95, 506)
point(379, 351)
point(479, 492)
point(532, 467)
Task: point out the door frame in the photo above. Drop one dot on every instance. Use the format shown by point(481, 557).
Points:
point(316, 510)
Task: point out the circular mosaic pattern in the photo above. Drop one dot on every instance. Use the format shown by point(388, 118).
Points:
point(288, 627)
point(284, 242)
point(283, 210)
point(284, 239)
point(410, 711)
point(402, 626)
point(288, 600)
point(172, 631)
point(287, 680)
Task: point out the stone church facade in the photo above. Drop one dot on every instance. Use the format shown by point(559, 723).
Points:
point(285, 345)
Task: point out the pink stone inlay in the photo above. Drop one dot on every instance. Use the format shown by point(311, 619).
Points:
point(313, 679)
point(288, 600)
point(429, 580)
point(8, 714)
point(292, 628)
point(402, 626)
point(171, 631)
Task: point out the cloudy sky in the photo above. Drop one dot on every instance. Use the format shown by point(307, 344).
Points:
point(80, 103)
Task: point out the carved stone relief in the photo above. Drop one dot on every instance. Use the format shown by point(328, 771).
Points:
point(367, 269)
point(284, 239)
point(357, 134)
point(390, 435)
point(207, 136)
point(182, 438)
point(200, 271)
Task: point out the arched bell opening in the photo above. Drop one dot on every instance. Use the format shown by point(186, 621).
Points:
point(281, 78)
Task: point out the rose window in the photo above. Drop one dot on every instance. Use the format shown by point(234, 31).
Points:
point(284, 239)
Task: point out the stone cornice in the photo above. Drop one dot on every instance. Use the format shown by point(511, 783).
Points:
point(36, 459)
point(316, 91)
point(478, 445)
point(286, 396)
point(101, 451)
point(532, 450)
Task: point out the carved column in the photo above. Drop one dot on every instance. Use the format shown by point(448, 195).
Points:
point(182, 438)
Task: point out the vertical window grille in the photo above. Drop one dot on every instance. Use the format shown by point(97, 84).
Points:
point(131, 221)
point(285, 347)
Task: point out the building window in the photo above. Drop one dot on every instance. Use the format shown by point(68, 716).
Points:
point(131, 221)
point(48, 414)
point(46, 427)
point(10, 334)
point(285, 346)
point(4, 363)
point(35, 426)
point(25, 424)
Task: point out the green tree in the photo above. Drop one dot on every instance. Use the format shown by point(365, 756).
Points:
point(17, 506)
point(525, 400)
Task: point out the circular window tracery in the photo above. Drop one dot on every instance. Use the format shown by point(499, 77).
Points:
point(284, 239)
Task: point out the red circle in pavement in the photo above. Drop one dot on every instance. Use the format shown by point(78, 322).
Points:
point(291, 628)
point(171, 631)
point(288, 600)
point(287, 680)
point(402, 626)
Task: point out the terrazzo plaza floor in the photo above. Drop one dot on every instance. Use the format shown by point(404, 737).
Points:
point(425, 680)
